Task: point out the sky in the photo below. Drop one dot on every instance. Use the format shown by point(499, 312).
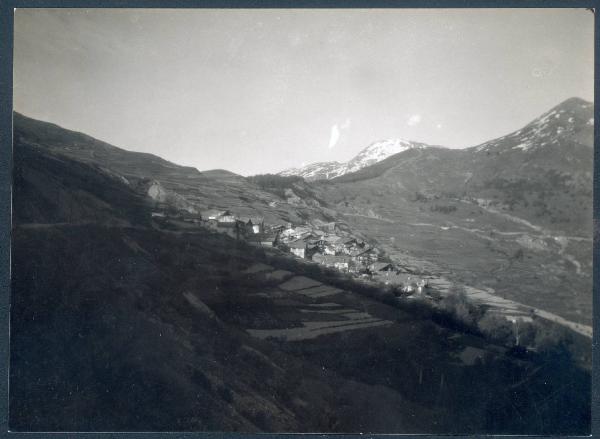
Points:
point(258, 91)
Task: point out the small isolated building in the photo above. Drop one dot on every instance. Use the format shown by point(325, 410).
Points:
point(226, 217)
point(328, 249)
point(212, 214)
point(263, 239)
point(340, 262)
point(288, 232)
point(365, 256)
point(253, 224)
point(421, 284)
point(257, 224)
point(268, 239)
point(190, 217)
point(332, 239)
point(298, 248)
point(409, 282)
point(381, 267)
point(329, 227)
point(275, 228)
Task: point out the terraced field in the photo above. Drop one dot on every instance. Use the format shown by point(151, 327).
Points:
point(312, 309)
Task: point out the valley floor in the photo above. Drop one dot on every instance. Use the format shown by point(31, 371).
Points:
point(502, 262)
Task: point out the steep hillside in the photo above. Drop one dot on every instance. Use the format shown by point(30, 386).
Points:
point(542, 173)
point(513, 214)
point(184, 187)
point(119, 325)
point(372, 154)
point(56, 189)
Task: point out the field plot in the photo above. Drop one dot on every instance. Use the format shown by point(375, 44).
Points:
point(315, 318)
point(298, 283)
point(503, 259)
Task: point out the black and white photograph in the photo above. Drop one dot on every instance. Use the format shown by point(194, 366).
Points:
point(312, 220)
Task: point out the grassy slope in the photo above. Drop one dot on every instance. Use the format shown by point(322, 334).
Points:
point(419, 206)
point(103, 338)
point(211, 189)
point(115, 345)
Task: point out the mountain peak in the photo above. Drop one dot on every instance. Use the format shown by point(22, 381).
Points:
point(374, 153)
point(381, 150)
point(572, 119)
point(574, 102)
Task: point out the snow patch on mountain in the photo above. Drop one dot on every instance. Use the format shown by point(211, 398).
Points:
point(564, 120)
point(330, 169)
point(374, 153)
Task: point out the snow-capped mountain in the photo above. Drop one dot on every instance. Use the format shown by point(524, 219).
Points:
point(316, 171)
point(542, 172)
point(374, 153)
point(572, 120)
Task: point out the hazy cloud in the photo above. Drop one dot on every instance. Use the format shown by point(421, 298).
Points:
point(334, 137)
point(336, 132)
point(414, 120)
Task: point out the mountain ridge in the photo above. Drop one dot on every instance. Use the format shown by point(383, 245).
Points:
point(385, 149)
point(526, 210)
point(183, 187)
point(372, 154)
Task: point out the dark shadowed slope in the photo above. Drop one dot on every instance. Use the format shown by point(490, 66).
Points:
point(109, 330)
point(119, 325)
point(56, 189)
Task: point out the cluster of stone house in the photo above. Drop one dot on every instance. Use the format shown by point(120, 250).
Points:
point(250, 228)
point(223, 221)
point(330, 247)
point(391, 275)
point(321, 242)
point(325, 244)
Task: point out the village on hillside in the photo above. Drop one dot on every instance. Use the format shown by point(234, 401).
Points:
point(333, 245)
point(319, 242)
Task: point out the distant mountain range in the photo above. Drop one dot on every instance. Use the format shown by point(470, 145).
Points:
point(542, 172)
point(568, 121)
point(513, 214)
point(372, 154)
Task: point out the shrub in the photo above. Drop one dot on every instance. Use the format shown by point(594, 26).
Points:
point(497, 328)
point(225, 393)
point(458, 306)
point(420, 197)
point(551, 338)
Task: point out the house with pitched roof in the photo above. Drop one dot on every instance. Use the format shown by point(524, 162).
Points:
point(253, 224)
point(226, 217)
point(269, 239)
point(298, 248)
point(212, 214)
point(381, 267)
point(339, 262)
